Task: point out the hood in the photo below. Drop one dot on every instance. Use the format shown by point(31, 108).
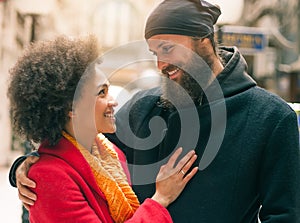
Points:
point(233, 79)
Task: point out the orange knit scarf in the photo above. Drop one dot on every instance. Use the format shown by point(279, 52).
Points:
point(110, 177)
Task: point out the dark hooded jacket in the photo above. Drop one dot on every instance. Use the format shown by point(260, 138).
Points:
point(247, 142)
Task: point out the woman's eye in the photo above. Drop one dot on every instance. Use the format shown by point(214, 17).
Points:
point(102, 92)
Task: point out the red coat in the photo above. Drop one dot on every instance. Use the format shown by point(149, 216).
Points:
point(67, 191)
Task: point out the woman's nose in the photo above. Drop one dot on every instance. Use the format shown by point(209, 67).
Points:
point(112, 102)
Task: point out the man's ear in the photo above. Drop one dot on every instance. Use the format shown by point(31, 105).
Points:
point(204, 46)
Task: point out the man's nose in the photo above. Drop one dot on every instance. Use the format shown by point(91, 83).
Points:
point(161, 64)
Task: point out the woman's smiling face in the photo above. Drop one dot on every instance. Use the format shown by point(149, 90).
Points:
point(93, 110)
point(104, 110)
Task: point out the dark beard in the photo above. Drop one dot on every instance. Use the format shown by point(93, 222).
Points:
point(189, 92)
point(184, 95)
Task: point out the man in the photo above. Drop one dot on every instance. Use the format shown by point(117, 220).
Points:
point(247, 139)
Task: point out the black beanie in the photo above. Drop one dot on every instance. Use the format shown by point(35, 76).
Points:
point(183, 17)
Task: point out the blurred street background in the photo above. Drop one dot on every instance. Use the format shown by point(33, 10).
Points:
point(10, 206)
point(267, 32)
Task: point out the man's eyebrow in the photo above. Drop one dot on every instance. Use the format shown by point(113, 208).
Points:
point(159, 45)
point(162, 43)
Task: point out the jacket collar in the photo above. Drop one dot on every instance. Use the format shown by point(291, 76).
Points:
point(66, 151)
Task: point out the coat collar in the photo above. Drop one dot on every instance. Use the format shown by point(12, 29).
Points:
point(66, 151)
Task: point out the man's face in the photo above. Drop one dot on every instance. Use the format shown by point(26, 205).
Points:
point(173, 53)
point(184, 71)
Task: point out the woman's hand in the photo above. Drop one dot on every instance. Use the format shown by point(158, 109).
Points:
point(24, 183)
point(172, 178)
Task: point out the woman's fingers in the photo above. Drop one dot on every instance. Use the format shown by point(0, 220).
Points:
point(190, 175)
point(182, 167)
point(186, 162)
point(172, 178)
point(174, 157)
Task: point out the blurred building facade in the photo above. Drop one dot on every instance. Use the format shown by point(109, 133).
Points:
point(267, 32)
point(115, 22)
point(274, 67)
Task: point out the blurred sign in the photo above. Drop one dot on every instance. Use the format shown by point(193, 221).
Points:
point(247, 39)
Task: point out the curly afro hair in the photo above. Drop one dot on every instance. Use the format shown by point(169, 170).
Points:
point(43, 82)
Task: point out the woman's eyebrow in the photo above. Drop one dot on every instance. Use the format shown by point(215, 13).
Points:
point(103, 85)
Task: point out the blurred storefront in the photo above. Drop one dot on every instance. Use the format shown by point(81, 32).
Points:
point(268, 37)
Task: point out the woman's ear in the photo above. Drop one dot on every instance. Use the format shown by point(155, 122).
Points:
point(71, 114)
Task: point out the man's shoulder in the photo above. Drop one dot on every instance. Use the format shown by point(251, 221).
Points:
point(270, 102)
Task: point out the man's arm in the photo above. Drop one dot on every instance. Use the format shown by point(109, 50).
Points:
point(16, 164)
point(280, 174)
point(13, 168)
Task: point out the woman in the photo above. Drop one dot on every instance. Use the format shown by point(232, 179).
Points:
point(59, 98)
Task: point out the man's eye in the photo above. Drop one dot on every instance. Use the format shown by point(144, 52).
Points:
point(166, 49)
